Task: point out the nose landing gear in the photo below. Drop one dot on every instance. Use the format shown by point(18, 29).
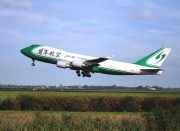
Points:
point(33, 64)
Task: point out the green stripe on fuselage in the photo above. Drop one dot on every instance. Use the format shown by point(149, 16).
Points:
point(110, 71)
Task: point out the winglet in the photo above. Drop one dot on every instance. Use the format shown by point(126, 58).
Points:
point(109, 57)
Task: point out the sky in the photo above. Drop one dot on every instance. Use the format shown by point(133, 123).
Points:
point(127, 29)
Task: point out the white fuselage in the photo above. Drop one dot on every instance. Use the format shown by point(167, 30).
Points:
point(52, 53)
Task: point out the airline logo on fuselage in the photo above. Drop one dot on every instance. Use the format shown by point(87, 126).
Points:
point(45, 51)
point(50, 52)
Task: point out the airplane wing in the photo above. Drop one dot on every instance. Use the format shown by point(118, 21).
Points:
point(95, 62)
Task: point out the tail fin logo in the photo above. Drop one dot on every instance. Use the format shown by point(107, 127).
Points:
point(155, 59)
point(160, 57)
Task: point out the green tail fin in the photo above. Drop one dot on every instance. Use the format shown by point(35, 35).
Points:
point(155, 59)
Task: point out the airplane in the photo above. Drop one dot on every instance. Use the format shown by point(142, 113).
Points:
point(85, 65)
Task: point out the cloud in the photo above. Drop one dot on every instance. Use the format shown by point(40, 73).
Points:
point(144, 15)
point(123, 2)
point(56, 39)
point(17, 4)
point(79, 30)
point(162, 10)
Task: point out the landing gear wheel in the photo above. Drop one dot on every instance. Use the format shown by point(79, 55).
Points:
point(78, 72)
point(89, 75)
point(33, 64)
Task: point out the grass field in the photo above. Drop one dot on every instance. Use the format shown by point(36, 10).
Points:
point(105, 115)
point(55, 121)
point(12, 94)
point(90, 121)
point(57, 114)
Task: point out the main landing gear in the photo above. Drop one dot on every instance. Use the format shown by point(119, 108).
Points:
point(84, 74)
point(33, 64)
point(78, 73)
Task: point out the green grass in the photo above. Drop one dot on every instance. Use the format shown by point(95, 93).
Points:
point(76, 113)
point(40, 121)
point(12, 94)
point(159, 119)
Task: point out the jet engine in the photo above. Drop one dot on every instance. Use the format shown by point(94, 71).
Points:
point(77, 64)
point(63, 64)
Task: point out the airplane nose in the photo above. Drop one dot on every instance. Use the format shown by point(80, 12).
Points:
point(25, 51)
point(22, 51)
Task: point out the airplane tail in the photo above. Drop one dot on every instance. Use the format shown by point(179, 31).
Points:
point(155, 59)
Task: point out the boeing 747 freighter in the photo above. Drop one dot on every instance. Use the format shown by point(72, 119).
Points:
point(85, 65)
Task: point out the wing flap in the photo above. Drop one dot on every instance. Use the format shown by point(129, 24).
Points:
point(151, 70)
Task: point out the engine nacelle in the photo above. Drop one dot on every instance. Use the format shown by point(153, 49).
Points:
point(62, 64)
point(77, 64)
